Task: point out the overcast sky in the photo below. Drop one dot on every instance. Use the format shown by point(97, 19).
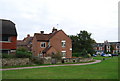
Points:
point(99, 17)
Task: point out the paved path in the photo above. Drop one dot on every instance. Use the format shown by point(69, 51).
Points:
point(97, 61)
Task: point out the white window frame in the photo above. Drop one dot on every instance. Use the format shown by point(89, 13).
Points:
point(63, 43)
point(49, 44)
point(117, 47)
point(64, 54)
point(108, 47)
point(42, 43)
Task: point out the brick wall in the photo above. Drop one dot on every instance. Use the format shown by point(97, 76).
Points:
point(55, 41)
point(15, 61)
point(9, 45)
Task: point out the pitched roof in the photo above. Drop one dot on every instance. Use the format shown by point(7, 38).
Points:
point(8, 28)
point(24, 42)
point(44, 37)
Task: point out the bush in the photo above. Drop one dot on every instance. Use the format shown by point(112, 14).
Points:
point(37, 60)
point(76, 54)
point(58, 56)
point(8, 55)
point(21, 54)
point(22, 49)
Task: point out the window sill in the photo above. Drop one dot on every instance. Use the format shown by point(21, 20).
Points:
point(5, 41)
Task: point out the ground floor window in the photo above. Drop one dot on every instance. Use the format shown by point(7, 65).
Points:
point(5, 51)
point(63, 53)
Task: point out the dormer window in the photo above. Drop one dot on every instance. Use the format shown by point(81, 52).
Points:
point(43, 44)
point(63, 43)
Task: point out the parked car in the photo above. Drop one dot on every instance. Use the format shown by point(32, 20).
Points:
point(106, 55)
point(94, 55)
point(109, 55)
point(102, 54)
point(114, 54)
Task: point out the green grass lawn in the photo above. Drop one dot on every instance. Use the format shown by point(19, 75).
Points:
point(107, 69)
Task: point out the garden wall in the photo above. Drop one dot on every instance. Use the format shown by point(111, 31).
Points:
point(66, 60)
point(15, 61)
point(76, 60)
point(45, 60)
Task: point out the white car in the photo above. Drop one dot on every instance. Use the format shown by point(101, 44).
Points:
point(107, 55)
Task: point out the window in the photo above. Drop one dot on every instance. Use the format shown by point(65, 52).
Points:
point(117, 47)
point(5, 51)
point(108, 47)
point(49, 44)
point(63, 53)
point(43, 44)
point(5, 38)
point(63, 43)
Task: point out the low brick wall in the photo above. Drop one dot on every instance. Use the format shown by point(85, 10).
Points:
point(76, 60)
point(15, 61)
point(48, 60)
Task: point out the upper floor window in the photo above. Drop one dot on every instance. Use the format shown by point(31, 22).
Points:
point(63, 43)
point(108, 47)
point(117, 47)
point(5, 39)
point(43, 44)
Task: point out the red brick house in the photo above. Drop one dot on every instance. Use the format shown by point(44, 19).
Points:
point(25, 43)
point(8, 37)
point(47, 44)
point(100, 47)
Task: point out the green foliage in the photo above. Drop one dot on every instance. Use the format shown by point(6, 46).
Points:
point(8, 55)
point(111, 49)
point(82, 43)
point(23, 53)
point(37, 60)
point(75, 55)
point(22, 49)
point(89, 55)
point(58, 56)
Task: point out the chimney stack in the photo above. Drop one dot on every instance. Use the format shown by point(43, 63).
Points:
point(28, 35)
point(42, 32)
point(54, 30)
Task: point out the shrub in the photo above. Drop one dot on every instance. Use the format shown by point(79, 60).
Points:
point(8, 55)
point(22, 49)
point(58, 56)
point(21, 54)
point(37, 60)
point(89, 55)
point(76, 54)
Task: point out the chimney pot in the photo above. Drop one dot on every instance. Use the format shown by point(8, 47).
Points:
point(54, 30)
point(28, 35)
point(42, 32)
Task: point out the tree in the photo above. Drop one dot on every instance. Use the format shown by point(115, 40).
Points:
point(111, 48)
point(105, 50)
point(83, 43)
point(23, 53)
point(75, 46)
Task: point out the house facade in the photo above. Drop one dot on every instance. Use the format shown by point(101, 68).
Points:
point(48, 44)
point(8, 37)
point(113, 47)
point(25, 43)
